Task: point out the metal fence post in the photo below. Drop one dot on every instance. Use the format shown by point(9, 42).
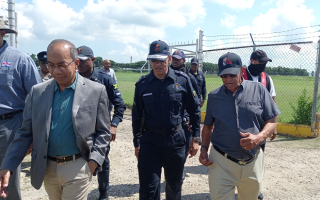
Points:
point(315, 93)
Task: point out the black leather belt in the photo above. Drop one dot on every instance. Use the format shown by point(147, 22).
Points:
point(63, 160)
point(163, 131)
point(9, 115)
point(240, 162)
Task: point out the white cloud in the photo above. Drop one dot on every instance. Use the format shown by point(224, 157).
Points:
point(267, 2)
point(125, 21)
point(229, 20)
point(287, 15)
point(235, 4)
point(129, 51)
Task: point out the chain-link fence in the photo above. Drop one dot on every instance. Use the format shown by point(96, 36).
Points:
point(292, 71)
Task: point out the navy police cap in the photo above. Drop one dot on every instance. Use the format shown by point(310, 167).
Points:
point(42, 56)
point(194, 60)
point(159, 50)
point(178, 54)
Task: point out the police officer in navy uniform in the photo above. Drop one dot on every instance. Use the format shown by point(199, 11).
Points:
point(178, 63)
point(200, 79)
point(43, 62)
point(159, 139)
point(86, 69)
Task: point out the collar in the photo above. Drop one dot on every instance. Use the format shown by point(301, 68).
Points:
point(94, 75)
point(5, 45)
point(170, 74)
point(73, 86)
point(242, 86)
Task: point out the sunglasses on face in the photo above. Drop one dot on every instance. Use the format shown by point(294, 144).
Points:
point(226, 75)
point(154, 60)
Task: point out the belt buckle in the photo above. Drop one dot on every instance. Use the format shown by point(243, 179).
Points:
point(62, 162)
point(242, 162)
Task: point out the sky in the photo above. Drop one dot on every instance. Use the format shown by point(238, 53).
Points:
point(119, 29)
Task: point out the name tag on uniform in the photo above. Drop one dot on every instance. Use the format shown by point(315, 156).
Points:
point(5, 64)
point(118, 94)
point(147, 94)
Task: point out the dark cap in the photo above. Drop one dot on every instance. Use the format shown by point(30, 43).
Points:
point(42, 56)
point(159, 50)
point(178, 55)
point(84, 52)
point(260, 55)
point(229, 63)
point(194, 60)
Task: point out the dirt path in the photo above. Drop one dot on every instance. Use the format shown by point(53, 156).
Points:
point(290, 172)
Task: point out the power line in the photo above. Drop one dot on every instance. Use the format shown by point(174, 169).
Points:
point(262, 37)
point(267, 33)
point(261, 41)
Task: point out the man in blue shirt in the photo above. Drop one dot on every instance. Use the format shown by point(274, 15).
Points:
point(240, 117)
point(18, 73)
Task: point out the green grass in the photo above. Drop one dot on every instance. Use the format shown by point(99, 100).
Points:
point(288, 88)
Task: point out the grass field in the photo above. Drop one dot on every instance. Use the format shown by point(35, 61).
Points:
point(288, 88)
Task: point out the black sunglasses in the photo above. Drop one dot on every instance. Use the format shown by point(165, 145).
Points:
point(155, 60)
point(226, 75)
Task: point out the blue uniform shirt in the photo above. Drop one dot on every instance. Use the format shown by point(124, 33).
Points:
point(113, 94)
point(201, 82)
point(245, 111)
point(164, 102)
point(62, 139)
point(18, 73)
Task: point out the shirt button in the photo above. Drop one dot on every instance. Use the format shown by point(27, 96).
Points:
point(45, 157)
point(58, 146)
point(60, 121)
point(61, 108)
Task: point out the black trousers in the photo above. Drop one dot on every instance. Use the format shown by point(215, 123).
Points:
point(157, 151)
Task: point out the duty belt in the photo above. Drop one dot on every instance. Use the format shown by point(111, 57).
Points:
point(9, 115)
point(240, 162)
point(163, 131)
point(64, 160)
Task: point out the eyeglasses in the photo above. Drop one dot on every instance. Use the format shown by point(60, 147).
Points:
point(62, 66)
point(226, 75)
point(155, 60)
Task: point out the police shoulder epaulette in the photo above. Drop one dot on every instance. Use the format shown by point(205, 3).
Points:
point(142, 78)
point(182, 73)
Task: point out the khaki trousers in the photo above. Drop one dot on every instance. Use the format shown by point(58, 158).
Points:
point(69, 181)
point(225, 175)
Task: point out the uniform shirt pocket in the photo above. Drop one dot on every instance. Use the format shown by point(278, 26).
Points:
point(6, 76)
point(175, 103)
point(150, 104)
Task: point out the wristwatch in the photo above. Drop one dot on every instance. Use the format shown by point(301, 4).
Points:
point(198, 139)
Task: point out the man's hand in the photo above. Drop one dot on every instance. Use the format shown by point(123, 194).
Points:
point(4, 181)
point(273, 135)
point(136, 152)
point(113, 131)
point(202, 102)
point(92, 166)
point(193, 149)
point(29, 150)
point(250, 141)
point(204, 158)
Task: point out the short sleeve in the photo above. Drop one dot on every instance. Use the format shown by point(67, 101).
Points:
point(272, 89)
point(270, 108)
point(209, 120)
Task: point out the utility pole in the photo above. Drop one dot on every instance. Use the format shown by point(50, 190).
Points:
point(200, 58)
point(11, 18)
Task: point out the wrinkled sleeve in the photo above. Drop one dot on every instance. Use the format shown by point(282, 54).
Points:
point(137, 111)
point(193, 109)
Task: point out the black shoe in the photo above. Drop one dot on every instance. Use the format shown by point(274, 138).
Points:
point(260, 196)
point(104, 197)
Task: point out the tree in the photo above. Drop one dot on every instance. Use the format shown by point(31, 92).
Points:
point(98, 62)
point(35, 59)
